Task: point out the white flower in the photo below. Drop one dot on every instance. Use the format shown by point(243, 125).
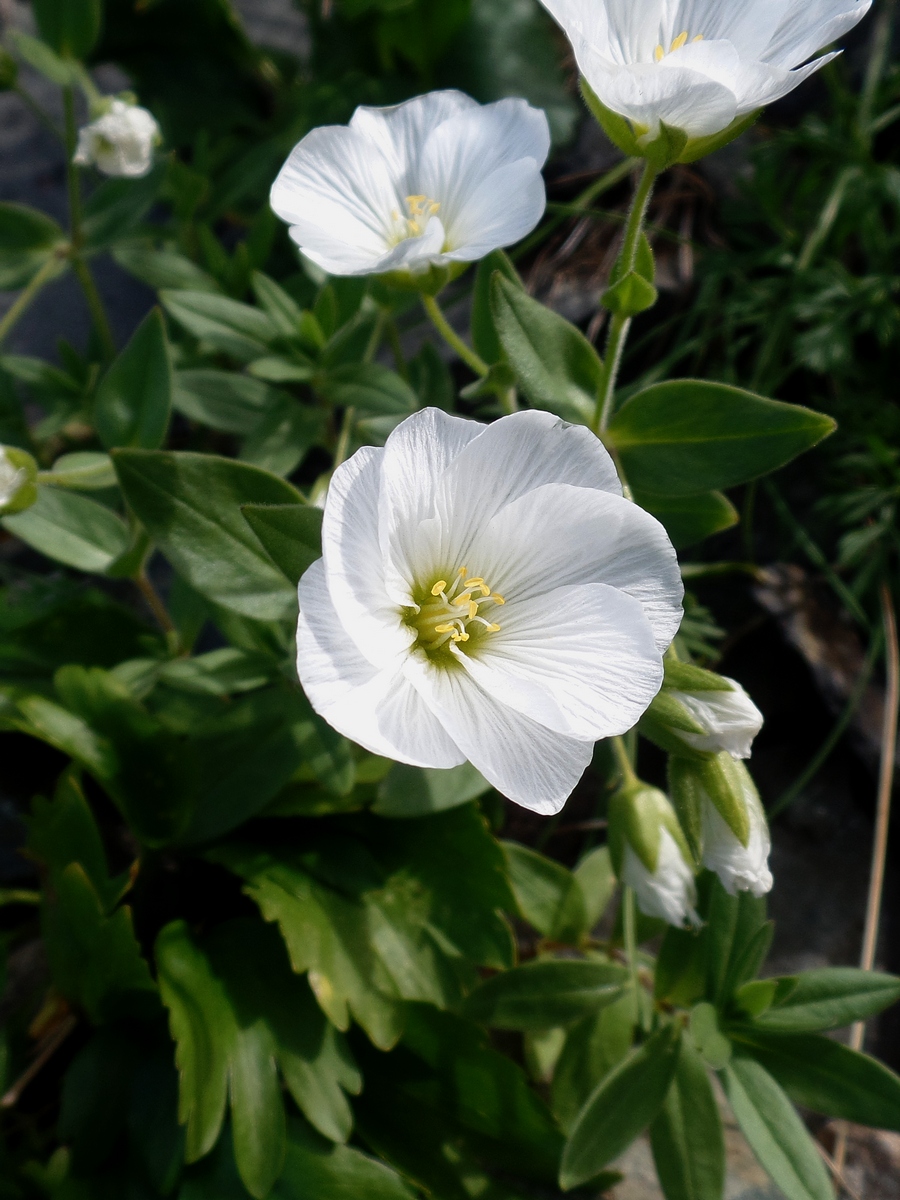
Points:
point(435, 181)
point(668, 892)
point(730, 719)
point(486, 593)
point(121, 142)
point(699, 65)
point(740, 867)
point(11, 478)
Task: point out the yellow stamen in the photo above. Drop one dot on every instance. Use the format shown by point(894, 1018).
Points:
point(434, 207)
point(497, 598)
point(659, 54)
point(475, 581)
point(463, 599)
point(679, 41)
point(444, 628)
point(493, 628)
point(463, 571)
point(698, 38)
point(473, 609)
point(439, 587)
point(448, 614)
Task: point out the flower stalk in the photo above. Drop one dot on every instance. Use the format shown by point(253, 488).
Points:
point(452, 338)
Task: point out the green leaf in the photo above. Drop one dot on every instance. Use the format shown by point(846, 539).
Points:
point(71, 529)
point(83, 471)
point(593, 1046)
point(557, 367)
point(70, 26)
point(483, 333)
point(281, 307)
point(829, 1078)
point(777, 1136)
point(284, 436)
point(370, 388)
point(597, 882)
point(546, 993)
point(687, 1138)
point(828, 998)
point(162, 267)
point(431, 379)
point(134, 400)
point(227, 325)
point(290, 533)
point(218, 673)
point(690, 519)
point(275, 369)
point(416, 791)
point(191, 506)
point(118, 206)
point(630, 295)
point(547, 895)
point(707, 1037)
point(38, 54)
point(28, 240)
point(623, 1105)
point(222, 400)
point(320, 1169)
point(690, 436)
point(42, 718)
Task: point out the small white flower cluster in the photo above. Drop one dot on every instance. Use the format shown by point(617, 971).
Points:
point(120, 142)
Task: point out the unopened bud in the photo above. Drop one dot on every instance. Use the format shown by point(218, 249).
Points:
point(698, 714)
point(721, 810)
point(18, 472)
point(650, 854)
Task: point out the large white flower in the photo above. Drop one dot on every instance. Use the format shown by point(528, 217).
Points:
point(120, 142)
point(669, 891)
point(699, 65)
point(729, 719)
point(435, 181)
point(486, 593)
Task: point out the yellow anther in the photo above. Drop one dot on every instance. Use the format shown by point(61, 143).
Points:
point(473, 609)
point(434, 207)
point(679, 41)
point(444, 628)
point(463, 599)
point(659, 54)
point(493, 628)
point(497, 598)
point(439, 587)
point(698, 38)
point(415, 202)
point(414, 228)
point(475, 581)
point(463, 571)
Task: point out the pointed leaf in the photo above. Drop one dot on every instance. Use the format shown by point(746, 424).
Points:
point(545, 994)
point(71, 529)
point(830, 998)
point(135, 398)
point(687, 1138)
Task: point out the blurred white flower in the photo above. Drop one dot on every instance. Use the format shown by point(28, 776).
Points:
point(742, 866)
point(699, 65)
point(486, 593)
point(668, 892)
point(120, 142)
point(730, 719)
point(12, 477)
point(436, 181)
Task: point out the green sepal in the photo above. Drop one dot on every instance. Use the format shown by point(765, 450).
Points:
point(728, 785)
point(499, 379)
point(687, 794)
point(27, 492)
point(637, 816)
point(630, 296)
point(697, 148)
point(685, 677)
point(426, 283)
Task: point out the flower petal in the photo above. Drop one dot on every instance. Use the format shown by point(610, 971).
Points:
point(581, 660)
point(808, 26)
point(378, 709)
point(401, 131)
point(669, 892)
point(559, 535)
point(523, 760)
point(731, 719)
point(354, 563)
point(647, 94)
point(482, 223)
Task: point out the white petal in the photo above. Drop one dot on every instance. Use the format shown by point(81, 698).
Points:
point(757, 84)
point(354, 564)
point(731, 720)
point(401, 132)
point(523, 760)
point(669, 892)
point(580, 660)
point(462, 153)
point(560, 535)
point(416, 455)
point(740, 868)
point(484, 223)
point(378, 709)
point(810, 25)
point(337, 192)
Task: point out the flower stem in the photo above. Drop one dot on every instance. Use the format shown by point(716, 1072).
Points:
point(629, 931)
point(76, 215)
point(155, 604)
point(620, 324)
point(452, 338)
point(48, 271)
point(623, 761)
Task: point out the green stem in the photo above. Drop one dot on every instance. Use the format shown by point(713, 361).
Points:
point(452, 338)
point(48, 271)
point(95, 304)
point(827, 218)
point(19, 896)
point(629, 930)
point(623, 761)
point(620, 324)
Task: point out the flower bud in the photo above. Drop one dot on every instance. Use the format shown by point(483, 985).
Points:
point(119, 142)
point(650, 854)
point(698, 714)
point(720, 808)
point(18, 472)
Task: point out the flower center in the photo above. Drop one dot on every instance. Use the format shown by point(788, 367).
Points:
point(660, 52)
point(421, 209)
point(452, 613)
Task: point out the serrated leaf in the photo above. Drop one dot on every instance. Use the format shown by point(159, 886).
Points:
point(191, 506)
point(545, 994)
point(777, 1136)
point(135, 397)
point(691, 436)
point(622, 1106)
